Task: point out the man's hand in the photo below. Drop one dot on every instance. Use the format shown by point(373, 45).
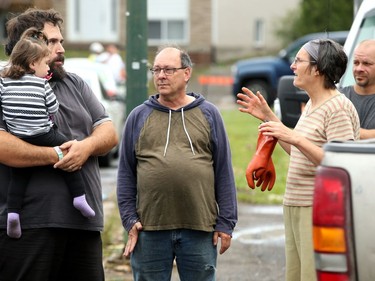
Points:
point(132, 239)
point(225, 241)
point(75, 155)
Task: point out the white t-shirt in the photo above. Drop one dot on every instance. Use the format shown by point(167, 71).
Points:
point(115, 62)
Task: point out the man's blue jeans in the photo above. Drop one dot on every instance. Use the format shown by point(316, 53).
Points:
point(155, 251)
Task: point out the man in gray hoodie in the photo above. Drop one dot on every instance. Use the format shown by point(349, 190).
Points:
point(176, 190)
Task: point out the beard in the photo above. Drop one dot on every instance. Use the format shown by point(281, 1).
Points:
point(58, 72)
point(362, 82)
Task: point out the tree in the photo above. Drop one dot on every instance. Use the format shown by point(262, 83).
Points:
point(315, 16)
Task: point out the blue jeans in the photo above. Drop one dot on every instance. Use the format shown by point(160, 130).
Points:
point(193, 250)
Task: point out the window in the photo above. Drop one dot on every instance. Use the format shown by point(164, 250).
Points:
point(93, 20)
point(166, 30)
point(259, 33)
point(167, 21)
point(154, 29)
point(367, 31)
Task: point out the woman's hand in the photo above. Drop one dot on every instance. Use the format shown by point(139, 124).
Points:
point(255, 105)
point(279, 131)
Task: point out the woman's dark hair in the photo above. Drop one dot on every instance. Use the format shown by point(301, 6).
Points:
point(32, 17)
point(331, 63)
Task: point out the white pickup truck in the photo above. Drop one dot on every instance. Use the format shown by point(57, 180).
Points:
point(343, 210)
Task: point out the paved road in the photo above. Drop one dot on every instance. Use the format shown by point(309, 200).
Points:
point(257, 250)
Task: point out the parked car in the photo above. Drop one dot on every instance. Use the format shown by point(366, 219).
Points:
point(101, 81)
point(263, 73)
point(112, 89)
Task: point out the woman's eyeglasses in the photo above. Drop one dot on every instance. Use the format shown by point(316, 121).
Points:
point(298, 60)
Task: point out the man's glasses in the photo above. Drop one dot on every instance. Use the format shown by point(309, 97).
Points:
point(298, 60)
point(167, 71)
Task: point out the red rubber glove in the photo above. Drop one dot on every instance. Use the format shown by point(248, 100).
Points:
point(259, 163)
point(268, 177)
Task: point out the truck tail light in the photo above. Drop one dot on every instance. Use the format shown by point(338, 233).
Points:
point(331, 225)
point(329, 239)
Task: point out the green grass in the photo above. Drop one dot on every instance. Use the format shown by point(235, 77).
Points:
point(242, 132)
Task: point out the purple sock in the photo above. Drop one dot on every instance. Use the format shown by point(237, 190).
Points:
point(14, 225)
point(81, 204)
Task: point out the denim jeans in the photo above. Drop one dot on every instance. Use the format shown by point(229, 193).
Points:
point(155, 251)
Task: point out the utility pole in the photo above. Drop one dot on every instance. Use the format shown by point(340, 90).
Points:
point(136, 53)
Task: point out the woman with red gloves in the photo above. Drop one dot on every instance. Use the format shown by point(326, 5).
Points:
point(327, 116)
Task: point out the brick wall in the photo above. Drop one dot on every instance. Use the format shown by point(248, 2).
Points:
point(200, 31)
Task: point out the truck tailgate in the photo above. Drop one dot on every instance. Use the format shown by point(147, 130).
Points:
point(358, 158)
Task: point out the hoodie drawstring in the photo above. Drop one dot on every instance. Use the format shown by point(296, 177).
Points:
point(168, 131)
point(186, 132)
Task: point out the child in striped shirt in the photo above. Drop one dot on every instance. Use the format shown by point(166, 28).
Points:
point(28, 105)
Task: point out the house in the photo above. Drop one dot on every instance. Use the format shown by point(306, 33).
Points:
point(210, 30)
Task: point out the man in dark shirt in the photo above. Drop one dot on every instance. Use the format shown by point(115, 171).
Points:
point(362, 93)
point(57, 242)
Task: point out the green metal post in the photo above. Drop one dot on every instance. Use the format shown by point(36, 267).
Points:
point(136, 53)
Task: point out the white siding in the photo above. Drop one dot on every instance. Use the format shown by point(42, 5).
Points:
point(167, 9)
point(235, 23)
point(92, 20)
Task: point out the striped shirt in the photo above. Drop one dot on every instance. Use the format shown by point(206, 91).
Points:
point(27, 104)
point(336, 119)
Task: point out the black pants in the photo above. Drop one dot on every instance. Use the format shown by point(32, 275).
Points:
point(21, 176)
point(51, 254)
